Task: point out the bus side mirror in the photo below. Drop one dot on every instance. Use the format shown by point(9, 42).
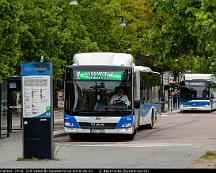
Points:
point(137, 104)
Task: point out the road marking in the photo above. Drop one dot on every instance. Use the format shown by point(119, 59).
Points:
point(193, 115)
point(203, 115)
point(166, 115)
point(132, 145)
point(126, 145)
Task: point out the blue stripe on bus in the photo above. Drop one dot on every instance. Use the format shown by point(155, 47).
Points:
point(121, 124)
point(145, 108)
point(125, 120)
point(195, 103)
point(70, 119)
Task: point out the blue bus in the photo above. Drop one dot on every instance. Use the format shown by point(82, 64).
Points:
point(93, 80)
point(197, 92)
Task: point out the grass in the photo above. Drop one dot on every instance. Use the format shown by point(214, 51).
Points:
point(23, 159)
point(32, 159)
point(209, 155)
point(58, 109)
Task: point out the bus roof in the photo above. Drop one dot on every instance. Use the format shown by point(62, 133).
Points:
point(103, 58)
point(209, 77)
point(144, 69)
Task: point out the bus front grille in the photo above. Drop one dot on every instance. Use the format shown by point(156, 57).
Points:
point(85, 125)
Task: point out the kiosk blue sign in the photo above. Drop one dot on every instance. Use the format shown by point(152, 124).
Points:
point(36, 89)
point(37, 110)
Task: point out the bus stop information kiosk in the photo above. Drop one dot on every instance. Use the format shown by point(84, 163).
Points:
point(37, 110)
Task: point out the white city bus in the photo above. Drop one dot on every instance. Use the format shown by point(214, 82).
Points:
point(197, 92)
point(89, 85)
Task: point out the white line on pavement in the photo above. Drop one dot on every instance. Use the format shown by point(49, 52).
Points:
point(127, 145)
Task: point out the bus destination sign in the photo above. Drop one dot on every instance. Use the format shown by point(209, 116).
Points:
point(193, 83)
point(98, 75)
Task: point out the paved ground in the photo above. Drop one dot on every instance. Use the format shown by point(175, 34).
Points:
point(199, 163)
point(10, 151)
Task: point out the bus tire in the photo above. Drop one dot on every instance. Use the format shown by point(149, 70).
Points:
point(129, 137)
point(73, 136)
point(151, 125)
point(211, 109)
point(135, 129)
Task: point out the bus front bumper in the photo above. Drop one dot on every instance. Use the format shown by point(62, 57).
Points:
point(197, 108)
point(99, 131)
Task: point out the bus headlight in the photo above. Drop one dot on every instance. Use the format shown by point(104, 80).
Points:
point(127, 125)
point(68, 124)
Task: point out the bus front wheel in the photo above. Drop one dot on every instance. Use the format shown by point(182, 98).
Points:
point(129, 137)
point(73, 136)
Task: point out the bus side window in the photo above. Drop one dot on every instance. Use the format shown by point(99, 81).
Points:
point(212, 95)
point(205, 94)
point(142, 91)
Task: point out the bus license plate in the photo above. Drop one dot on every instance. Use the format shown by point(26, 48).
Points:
point(96, 130)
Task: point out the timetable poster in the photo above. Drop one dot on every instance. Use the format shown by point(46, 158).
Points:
point(36, 96)
point(36, 88)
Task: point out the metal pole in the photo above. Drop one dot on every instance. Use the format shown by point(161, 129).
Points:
point(200, 64)
point(162, 93)
point(0, 109)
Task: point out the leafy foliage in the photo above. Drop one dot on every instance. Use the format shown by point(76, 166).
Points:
point(182, 32)
point(9, 36)
point(175, 35)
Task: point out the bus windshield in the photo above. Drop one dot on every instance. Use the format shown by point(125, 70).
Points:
point(192, 90)
point(96, 95)
point(95, 88)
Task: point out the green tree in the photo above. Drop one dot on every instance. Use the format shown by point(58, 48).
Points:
point(56, 31)
point(52, 30)
point(101, 18)
point(183, 31)
point(10, 29)
point(204, 29)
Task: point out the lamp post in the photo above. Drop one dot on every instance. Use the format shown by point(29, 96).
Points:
point(122, 22)
point(41, 58)
point(139, 57)
point(138, 53)
point(200, 63)
point(129, 49)
point(162, 96)
point(73, 2)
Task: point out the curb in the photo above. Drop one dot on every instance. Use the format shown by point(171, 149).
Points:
point(172, 112)
point(59, 122)
point(59, 133)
